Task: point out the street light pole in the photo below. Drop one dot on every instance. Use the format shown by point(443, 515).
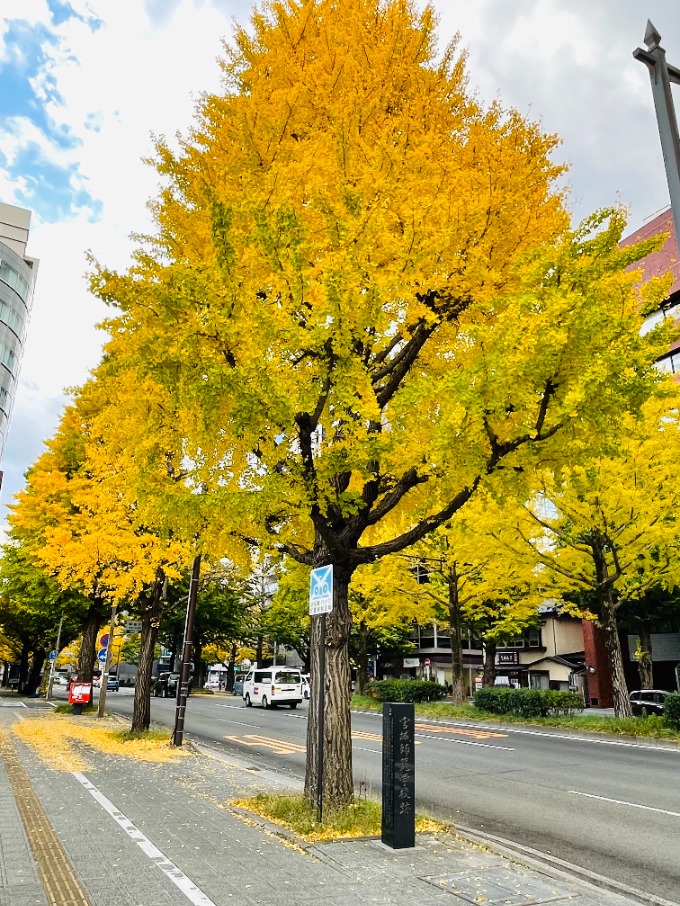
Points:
point(662, 74)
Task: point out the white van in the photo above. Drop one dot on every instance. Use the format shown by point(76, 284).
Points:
point(272, 686)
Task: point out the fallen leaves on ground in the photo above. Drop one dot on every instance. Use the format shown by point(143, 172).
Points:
point(59, 741)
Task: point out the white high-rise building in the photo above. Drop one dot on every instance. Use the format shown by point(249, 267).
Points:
point(17, 278)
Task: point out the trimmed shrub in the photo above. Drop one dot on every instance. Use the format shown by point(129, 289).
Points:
point(672, 710)
point(495, 700)
point(527, 702)
point(397, 690)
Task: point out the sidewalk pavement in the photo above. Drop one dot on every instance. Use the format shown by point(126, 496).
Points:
point(135, 833)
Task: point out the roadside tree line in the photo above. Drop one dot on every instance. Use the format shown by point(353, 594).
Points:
point(365, 331)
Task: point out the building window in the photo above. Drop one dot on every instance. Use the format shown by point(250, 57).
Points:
point(7, 356)
point(669, 363)
point(421, 574)
point(531, 639)
point(12, 278)
point(443, 637)
point(11, 318)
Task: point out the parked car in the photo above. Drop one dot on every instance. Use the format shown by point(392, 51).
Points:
point(166, 685)
point(272, 686)
point(112, 683)
point(213, 684)
point(648, 701)
point(305, 686)
point(238, 683)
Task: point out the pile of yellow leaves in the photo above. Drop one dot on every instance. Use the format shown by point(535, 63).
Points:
point(59, 741)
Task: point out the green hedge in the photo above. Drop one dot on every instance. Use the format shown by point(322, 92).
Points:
point(527, 702)
point(397, 690)
point(672, 710)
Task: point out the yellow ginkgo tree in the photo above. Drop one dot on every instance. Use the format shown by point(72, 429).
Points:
point(363, 282)
point(610, 529)
point(72, 519)
point(471, 583)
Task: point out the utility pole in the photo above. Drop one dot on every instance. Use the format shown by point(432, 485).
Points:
point(662, 74)
point(187, 650)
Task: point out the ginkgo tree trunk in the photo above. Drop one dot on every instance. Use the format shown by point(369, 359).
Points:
point(362, 299)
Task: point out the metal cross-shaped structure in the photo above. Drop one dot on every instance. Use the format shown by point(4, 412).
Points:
point(662, 74)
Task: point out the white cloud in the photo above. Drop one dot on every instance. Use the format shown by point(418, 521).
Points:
point(106, 89)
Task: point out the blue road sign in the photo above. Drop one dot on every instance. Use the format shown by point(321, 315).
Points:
point(101, 656)
point(104, 640)
point(53, 655)
point(321, 590)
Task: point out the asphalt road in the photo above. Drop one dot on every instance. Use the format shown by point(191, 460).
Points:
point(610, 806)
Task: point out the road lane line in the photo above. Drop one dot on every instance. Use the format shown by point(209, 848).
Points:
point(667, 749)
point(191, 891)
point(598, 742)
point(646, 808)
point(467, 742)
point(244, 723)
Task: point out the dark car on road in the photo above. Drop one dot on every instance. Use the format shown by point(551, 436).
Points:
point(166, 685)
point(648, 701)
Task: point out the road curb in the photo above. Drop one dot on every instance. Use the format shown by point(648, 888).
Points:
point(560, 868)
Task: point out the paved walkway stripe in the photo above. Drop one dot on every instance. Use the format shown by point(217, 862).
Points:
point(193, 893)
point(56, 874)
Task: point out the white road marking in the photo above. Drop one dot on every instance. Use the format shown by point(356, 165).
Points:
point(597, 742)
point(284, 713)
point(646, 808)
point(13, 705)
point(193, 893)
point(561, 736)
point(244, 723)
point(278, 746)
point(466, 742)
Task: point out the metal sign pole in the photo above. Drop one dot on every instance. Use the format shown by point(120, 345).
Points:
point(321, 603)
point(103, 682)
point(320, 722)
point(187, 652)
point(53, 663)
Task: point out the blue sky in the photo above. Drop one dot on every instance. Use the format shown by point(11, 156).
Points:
point(84, 84)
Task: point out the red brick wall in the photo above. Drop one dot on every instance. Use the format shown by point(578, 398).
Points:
point(599, 688)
